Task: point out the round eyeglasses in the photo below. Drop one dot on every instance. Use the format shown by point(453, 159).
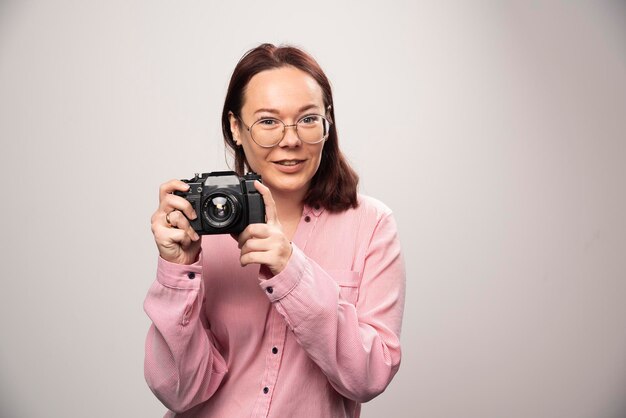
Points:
point(268, 132)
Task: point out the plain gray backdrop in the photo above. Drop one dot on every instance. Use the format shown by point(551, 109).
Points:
point(494, 130)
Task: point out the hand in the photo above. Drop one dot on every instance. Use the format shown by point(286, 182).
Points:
point(176, 240)
point(266, 243)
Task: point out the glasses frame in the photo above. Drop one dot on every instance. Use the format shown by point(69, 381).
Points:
point(285, 126)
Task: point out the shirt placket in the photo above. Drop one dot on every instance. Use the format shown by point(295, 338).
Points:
point(306, 227)
point(273, 357)
point(278, 331)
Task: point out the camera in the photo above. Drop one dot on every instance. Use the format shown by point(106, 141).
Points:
point(224, 202)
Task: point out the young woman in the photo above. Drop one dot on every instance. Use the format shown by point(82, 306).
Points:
point(296, 317)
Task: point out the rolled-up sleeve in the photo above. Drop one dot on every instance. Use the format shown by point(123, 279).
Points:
point(183, 366)
point(355, 344)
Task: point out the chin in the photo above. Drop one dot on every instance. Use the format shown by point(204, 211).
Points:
point(290, 185)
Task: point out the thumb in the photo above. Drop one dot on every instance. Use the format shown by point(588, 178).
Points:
point(270, 205)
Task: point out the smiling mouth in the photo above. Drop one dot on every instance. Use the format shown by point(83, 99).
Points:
point(288, 162)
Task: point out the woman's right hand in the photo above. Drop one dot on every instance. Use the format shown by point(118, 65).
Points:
point(177, 241)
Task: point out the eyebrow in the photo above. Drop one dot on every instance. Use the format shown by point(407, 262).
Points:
point(277, 112)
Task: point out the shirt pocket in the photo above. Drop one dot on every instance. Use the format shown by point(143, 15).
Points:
point(348, 282)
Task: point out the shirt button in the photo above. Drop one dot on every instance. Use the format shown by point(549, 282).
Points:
point(266, 389)
point(191, 275)
point(274, 350)
point(307, 218)
point(270, 290)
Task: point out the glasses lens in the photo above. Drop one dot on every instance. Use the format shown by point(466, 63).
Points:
point(267, 132)
point(313, 129)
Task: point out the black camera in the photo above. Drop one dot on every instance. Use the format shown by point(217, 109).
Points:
point(224, 202)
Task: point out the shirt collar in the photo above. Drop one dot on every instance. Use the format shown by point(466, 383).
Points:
point(312, 210)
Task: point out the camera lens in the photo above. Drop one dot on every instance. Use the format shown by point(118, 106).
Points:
point(220, 210)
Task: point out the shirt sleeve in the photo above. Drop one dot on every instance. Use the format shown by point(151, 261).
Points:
point(356, 346)
point(182, 365)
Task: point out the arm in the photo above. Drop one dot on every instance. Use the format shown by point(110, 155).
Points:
point(357, 347)
point(183, 366)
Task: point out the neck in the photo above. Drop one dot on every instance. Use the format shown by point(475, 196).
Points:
point(289, 206)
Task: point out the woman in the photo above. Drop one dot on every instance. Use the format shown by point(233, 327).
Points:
point(297, 317)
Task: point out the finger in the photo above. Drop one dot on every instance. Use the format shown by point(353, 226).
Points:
point(253, 231)
point(192, 234)
point(167, 236)
point(172, 202)
point(179, 221)
point(256, 244)
point(171, 186)
point(257, 257)
point(270, 205)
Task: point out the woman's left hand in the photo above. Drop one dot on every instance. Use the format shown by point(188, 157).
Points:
point(266, 243)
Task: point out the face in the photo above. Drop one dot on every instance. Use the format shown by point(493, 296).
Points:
point(287, 94)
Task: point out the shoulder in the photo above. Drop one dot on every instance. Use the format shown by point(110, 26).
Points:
point(372, 205)
point(368, 210)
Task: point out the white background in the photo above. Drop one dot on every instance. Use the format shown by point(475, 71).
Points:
point(494, 130)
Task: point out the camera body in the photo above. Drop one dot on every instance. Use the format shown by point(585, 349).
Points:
point(224, 202)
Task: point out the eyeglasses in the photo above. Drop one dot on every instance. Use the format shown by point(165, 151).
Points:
point(268, 132)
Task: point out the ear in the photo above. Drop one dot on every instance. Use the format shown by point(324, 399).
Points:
point(234, 128)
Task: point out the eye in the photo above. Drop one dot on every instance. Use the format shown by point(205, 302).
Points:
point(310, 120)
point(267, 123)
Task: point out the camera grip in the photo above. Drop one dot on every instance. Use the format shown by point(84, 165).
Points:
point(257, 209)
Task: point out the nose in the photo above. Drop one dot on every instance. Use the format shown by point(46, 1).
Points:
point(290, 137)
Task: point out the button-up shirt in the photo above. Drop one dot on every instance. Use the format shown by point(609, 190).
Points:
point(315, 340)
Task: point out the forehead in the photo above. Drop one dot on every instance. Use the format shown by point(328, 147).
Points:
point(285, 89)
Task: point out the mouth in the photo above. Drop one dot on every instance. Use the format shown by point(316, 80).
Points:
point(288, 163)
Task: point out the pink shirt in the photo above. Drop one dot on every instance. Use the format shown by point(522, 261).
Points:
point(314, 341)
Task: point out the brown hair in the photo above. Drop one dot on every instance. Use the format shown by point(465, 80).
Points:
point(334, 185)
